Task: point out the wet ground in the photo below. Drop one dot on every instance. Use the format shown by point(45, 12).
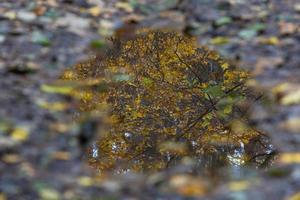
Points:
point(40, 153)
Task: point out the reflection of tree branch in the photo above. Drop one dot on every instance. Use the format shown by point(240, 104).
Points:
point(188, 66)
point(209, 110)
point(272, 153)
point(169, 161)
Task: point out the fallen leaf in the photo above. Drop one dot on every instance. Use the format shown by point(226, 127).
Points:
point(97, 44)
point(251, 31)
point(269, 40)
point(238, 185)
point(26, 16)
point(292, 97)
point(3, 196)
point(39, 38)
point(188, 185)
point(11, 158)
point(85, 181)
point(292, 124)
point(94, 11)
point(124, 6)
point(295, 196)
point(56, 89)
point(61, 127)
point(247, 34)
point(49, 194)
point(61, 155)
point(40, 10)
point(11, 15)
point(219, 40)
point(223, 21)
point(289, 158)
point(266, 63)
point(20, 133)
point(53, 106)
point(287, 28)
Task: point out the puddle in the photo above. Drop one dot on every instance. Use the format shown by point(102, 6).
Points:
point(159, 100)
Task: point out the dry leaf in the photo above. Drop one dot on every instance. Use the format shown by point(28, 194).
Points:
point(287, 28)
point(11, 158)
point(61, 155)
point(266, 63)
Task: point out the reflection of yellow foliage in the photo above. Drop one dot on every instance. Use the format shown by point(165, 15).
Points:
point(168, 97)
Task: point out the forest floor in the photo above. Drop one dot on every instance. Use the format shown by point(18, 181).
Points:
point(39, 155)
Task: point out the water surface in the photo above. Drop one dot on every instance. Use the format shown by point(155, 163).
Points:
point(160, 101)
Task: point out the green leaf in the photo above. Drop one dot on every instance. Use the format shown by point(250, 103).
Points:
point(214, 91)
point(97, 44)
point(252, 30)
point(223, 21)
point(39, 38)
point(147, 81)
point(247, 34)
point(228, 109)
point(257, 27)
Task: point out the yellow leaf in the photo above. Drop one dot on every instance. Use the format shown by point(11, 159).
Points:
point(20, 134)
point(94, 11)
point(295, 196)
point(54, 106)
point(124, 6)
point(85, 181)
point(238, 185)
point(291, 98)
point(225, 66)
point(269, 41)
point(2, 196)
point(56, 89)
point(219, 40)
point(289, 158)
point(49, 194)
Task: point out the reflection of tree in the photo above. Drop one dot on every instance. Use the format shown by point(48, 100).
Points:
point(168, 100)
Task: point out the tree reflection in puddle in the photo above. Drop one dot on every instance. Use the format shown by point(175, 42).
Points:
point(168, 102)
